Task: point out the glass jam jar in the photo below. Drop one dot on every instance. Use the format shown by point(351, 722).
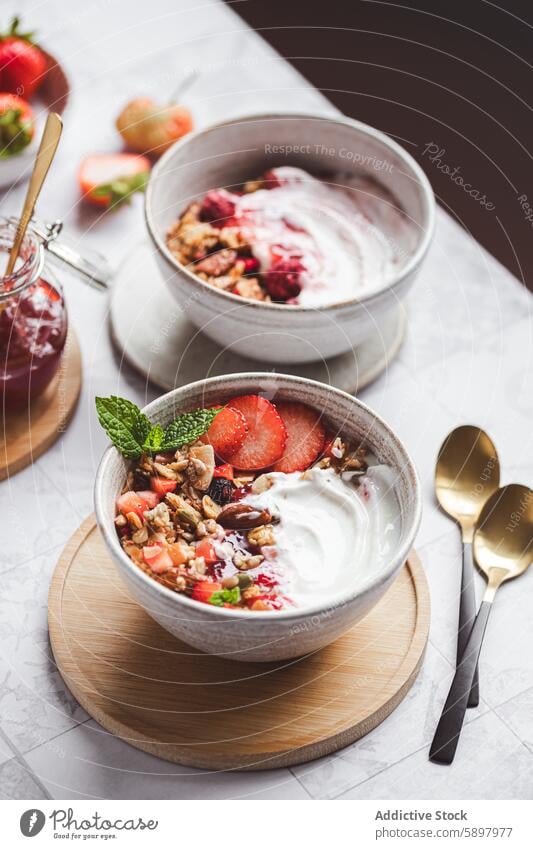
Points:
point(33, 315)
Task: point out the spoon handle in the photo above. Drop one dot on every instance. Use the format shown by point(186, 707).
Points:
point(467, 615)
point(446, 737)
point(43, 160)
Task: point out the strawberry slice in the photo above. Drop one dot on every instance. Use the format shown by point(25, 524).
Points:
point(265, 441)
point(109, 179)
point(131, 502)
point(305, 436)
point(151, 499)
point(206, 549)
point(224, 471)
point(227, 431)
point(161, 486)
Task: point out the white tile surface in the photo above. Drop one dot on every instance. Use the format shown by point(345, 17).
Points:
point(88, 762)
point(35, 704)
point(467, 357)
point(16, 782)
point(491, 763)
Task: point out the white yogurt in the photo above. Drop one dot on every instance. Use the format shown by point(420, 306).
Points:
point(333, 533)
point(351, 240)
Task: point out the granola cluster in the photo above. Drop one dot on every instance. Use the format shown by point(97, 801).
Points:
point(214, 242)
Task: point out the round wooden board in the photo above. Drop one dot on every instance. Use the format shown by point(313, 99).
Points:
point(154, 336)
point(28, 434)
point(166, 698)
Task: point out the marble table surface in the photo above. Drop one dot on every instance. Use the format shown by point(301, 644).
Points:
point(467, 358)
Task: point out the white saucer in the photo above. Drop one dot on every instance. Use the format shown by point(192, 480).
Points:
point(154, 336)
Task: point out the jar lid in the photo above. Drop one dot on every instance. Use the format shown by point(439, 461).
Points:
point(91, 266)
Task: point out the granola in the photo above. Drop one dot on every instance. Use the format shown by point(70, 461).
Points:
point(290, 238)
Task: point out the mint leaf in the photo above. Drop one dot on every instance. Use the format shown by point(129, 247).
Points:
point(152, 443)
point(187, 427)
point(222, 597)
point(124, 423)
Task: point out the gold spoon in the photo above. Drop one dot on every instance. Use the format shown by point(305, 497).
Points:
point(43, 160)
point(503, 549)
point(467, 473)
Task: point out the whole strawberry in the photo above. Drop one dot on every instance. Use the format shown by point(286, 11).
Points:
point(22, 64)
point(149, 128)
point(16, 125)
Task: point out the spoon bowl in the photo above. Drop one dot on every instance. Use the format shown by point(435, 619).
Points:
point(466, 474)
point(503, 541)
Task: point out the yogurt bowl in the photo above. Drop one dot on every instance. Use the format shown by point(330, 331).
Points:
point(357, 571)
point(348, 158)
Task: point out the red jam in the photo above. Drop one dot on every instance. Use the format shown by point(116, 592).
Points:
point(33, 331)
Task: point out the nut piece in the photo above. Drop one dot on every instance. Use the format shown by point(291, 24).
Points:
point(186, 515)
point(244, 562)
point(134, 520)
point(140, 536)
point(240, 516)
point(201, 466)
point(263, 535)
point(261, 484)
point(165, 472)
point(231, 582)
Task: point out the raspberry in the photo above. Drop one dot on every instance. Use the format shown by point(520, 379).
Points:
point(282, 280)
point(221, 490)
point(251, 265)
point(216, 208)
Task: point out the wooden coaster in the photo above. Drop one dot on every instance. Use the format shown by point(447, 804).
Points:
point(166, 698)
point(29, 433)
point(154, 336)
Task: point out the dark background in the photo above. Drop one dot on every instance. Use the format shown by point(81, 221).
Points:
point(458, 74)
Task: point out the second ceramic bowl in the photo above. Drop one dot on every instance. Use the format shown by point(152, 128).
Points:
point(228, 154)
point(266, 636)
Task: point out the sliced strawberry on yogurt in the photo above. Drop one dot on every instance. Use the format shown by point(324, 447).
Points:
point(265, 441)
point(227, 432)
point(305, 436)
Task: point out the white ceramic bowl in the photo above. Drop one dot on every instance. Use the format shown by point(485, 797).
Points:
point(241, 634)
point(227, 154)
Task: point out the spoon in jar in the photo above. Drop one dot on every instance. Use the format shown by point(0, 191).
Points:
point(503, 549)
point(466, 474)
point(43, 160)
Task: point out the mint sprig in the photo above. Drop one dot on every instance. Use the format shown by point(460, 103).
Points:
point(132, 433)
point(187, 427)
